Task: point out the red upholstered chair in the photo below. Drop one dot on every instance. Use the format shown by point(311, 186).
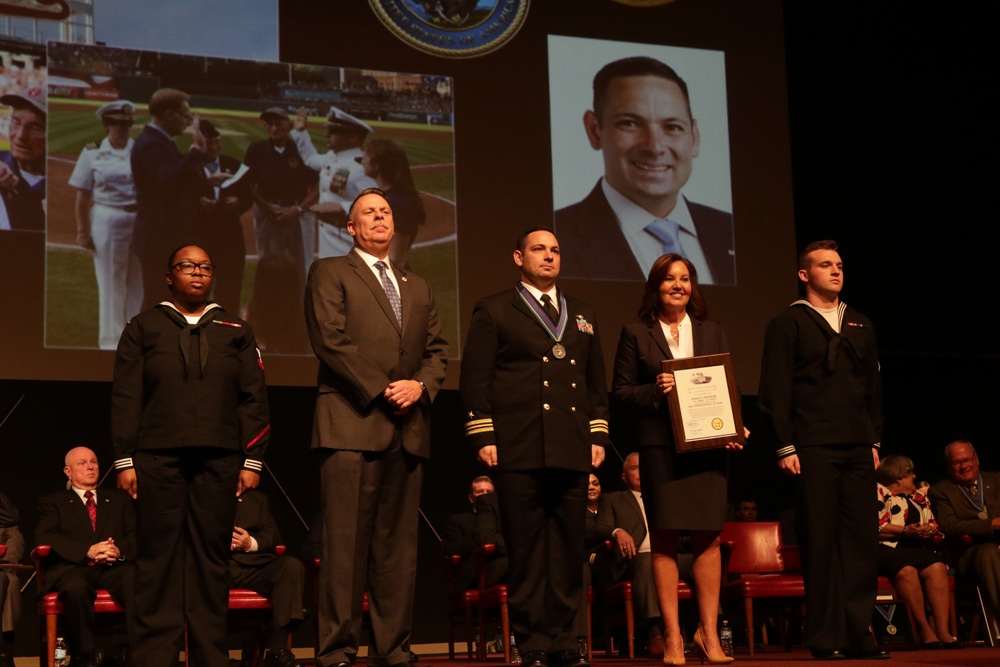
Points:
point(460, 606)
point(620, 594)
point(491, 597)
point(247, 607)
point(109, 613)
point(755, 569)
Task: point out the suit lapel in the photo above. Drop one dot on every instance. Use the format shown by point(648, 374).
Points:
point(634, 504)
point(607, 240)
point(103, 510)
point(698, 335)
point(79, 510)
point(656, 332)
point(364, 272)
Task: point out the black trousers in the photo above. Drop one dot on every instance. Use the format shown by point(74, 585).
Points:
point(370, 520)
point(185, 511)
point(543, 516)
point(282, 579)
point(77, 590)
point(839, 538)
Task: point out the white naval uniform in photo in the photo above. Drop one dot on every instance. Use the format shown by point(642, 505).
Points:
point(106, 173)
point(347, 176)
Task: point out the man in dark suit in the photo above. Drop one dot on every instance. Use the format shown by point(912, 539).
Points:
point(219, 211)
point(624, 524)
point(167, 186)
point(642, 124)
point(92, 535)
point(533, 383)
point(969, 504)
point(11, 550)
point(460, 539)
point(254, 565)
point(376, 332)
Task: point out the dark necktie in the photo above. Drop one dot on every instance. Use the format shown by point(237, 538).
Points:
point(390, 291)
point(974, 489)
point(550, 309)
point(91, 509)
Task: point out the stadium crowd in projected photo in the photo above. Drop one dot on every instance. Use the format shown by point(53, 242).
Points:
point(410, 117)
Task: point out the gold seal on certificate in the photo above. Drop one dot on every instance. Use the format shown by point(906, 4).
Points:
point(558, 351)
point(704, 405)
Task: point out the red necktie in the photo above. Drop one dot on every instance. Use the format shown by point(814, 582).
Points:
point(91, 509)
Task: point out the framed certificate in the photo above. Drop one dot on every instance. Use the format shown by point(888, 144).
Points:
point(704, 405)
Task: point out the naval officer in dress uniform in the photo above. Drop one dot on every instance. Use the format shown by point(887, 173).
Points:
point(533, 383)
point(341, 176)
point(105, 220)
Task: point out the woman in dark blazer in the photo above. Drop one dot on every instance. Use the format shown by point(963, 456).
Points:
point(680, 492)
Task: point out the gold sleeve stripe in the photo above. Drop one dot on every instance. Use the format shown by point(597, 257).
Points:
point(599, 425)
point(478, 422)
point(477, 431)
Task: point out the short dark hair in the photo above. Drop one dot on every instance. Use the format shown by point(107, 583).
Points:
point(893, 468)
point(364, 193)
point(166, 99)
point(634, 66)
point(813, 247)
point(649, 310)
point(173, 255)
point(522, 240)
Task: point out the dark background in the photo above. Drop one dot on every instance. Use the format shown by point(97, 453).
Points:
point(891, 154)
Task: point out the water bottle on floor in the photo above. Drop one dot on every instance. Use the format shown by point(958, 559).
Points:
point(62, 654)
point(515, 655)
point(726, 638)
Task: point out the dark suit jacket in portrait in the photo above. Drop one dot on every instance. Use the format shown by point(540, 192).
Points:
point(641, 349)
point(167, 184)
point(63, 523)
point(594, 247)
point(220, 233)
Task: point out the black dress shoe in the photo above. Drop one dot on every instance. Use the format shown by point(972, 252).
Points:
point(953, 645)
point(870, 654)
point(932, 646)
point(831, 654)
point(568, 658)
point(535, 659)
point(280, 658)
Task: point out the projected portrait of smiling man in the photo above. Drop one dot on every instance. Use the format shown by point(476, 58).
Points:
point(641, 122)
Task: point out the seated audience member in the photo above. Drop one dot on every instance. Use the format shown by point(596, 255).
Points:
point(460, 539)
point(968, 504)
point(11, 550)
point(746, 510)
point(254, 565)
point(624, 524)
point(92, 535)
point(906, 528)
point(591, 559)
